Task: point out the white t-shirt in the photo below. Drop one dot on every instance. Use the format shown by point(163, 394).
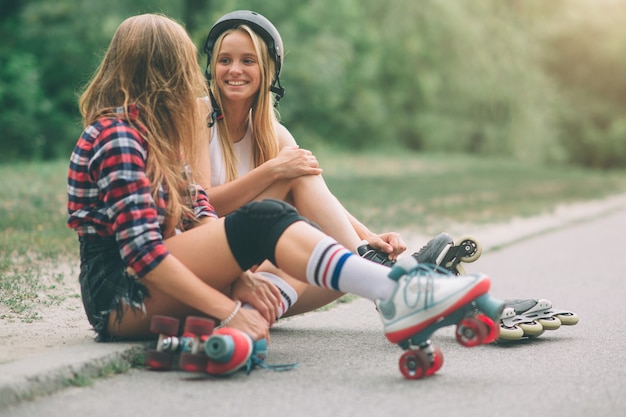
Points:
point(243, 150)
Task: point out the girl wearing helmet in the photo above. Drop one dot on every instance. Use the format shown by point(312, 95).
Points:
point(252, 156)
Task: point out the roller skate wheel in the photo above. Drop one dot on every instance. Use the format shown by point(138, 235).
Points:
point(471, 332)
point(510, 333)
point(164, 325)
point(550, 323)
point(414, 364)
point(192, 362)
point(493, 331)
point(436, 361)
point(568, 319)
point(459, 270)
point(158, 361)
point(473, 249)
point(531, 329)
point(228, 350)
point(199, 326)
point(220, 348)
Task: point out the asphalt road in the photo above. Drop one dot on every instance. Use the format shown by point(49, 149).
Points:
point(347, 368)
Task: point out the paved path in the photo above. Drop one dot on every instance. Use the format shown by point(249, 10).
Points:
point(348, 368)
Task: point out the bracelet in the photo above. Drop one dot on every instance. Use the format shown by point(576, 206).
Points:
point(228, 319)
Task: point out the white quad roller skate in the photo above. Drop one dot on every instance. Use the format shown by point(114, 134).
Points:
point(529, 318)
point(426, 299)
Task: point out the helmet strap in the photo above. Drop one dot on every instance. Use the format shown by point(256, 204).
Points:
point(216, 114)
point(278, 90)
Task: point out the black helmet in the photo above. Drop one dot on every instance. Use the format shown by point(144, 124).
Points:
point(262, 27)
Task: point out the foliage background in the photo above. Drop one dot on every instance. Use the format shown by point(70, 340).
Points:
point(531, 80)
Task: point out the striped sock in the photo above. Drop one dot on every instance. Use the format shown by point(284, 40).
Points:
point(288, 294)
point(335, 267)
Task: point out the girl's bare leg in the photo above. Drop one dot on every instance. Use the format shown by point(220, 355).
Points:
point(206, 252)
point(311, 196)
point(135, 323)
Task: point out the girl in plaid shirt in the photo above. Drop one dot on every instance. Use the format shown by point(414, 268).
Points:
point(150, 242)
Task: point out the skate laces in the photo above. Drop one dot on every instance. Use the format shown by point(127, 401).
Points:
point(254, 361)
point(259, 354)
point(422, 279)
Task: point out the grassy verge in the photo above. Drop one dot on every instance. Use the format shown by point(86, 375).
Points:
point(427, 192)
point(33, 238)
point(387, 192)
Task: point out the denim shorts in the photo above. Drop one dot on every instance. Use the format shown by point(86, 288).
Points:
point(105, 284)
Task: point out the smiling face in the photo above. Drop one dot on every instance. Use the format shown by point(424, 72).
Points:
point(237, 70)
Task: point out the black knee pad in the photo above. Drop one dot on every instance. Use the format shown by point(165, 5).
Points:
point(254, 229)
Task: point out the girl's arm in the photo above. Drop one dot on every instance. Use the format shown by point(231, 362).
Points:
point(291, 162)
point(172, 277)
point(390, 243)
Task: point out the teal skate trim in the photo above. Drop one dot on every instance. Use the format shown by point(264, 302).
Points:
point(491, 306)
point(387, 309)
point(402, 267)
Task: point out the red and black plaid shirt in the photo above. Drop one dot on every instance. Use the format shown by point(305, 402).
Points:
point(109, 193)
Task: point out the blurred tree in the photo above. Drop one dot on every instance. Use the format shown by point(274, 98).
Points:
point(20, 96)
point(532, 80)
point(585, 53)
point(194, 12)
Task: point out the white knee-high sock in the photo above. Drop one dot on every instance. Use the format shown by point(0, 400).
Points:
point(333, 266)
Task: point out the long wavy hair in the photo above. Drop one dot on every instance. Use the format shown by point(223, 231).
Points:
point(152, 62)
point(264, 114)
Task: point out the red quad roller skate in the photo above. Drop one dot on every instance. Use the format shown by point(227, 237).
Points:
point(229, 350)
point(425, 300)
point(189, 345)
point(162, 357)
point(197, 332)
point(203, 348)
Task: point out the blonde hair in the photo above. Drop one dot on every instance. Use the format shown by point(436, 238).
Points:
point(152, 62)
point(264, 115)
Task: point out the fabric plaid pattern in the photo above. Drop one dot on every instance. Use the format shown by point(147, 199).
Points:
point(109, 193)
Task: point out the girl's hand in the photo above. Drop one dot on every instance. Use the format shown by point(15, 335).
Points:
point(250, 321)
point(390, 243)
point(260, 293)
point(293, 162)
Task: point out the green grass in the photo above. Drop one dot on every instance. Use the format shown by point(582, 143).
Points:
point(33, 237)
point(423, 193)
